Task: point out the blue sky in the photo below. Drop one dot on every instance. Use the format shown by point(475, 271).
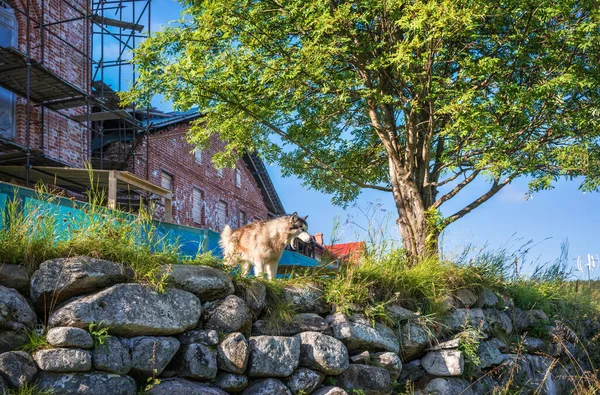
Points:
point(548, 219)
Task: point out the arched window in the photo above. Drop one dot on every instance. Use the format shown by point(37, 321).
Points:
point(8, 38)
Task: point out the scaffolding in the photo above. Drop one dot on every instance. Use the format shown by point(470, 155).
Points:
point(111, 30)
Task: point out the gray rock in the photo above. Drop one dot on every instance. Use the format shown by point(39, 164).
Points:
point(448, 386)
point(273, 356)
point(414, 339)
point(447, 345)
point(457, 320)
point(112, 356)
point(487, 298)
point(60, 279)
point(179, 386)
point(132, 310)
point(14, 276)
point(207, 337)
point(205, 282)
point(498, 321)
point(150, 355)
point(389, 361)
point(485, 385)
point(227, 315)
point(304, 381)
point(322, 352)
point(233, 353)
point(197, 361)
point(444, 363)
point(12, 340)
point(357, 333)
point(94, 383)
point(254, 293)
point(305, 298)
point(330, 391)
point(15, 312)
point(267, 387)
point(411, 371)
point(465, 297)
point(520, 319)
point(17, 368)
point(535, 345)
point(69, 337)
point(303, 322)
point(371, 380)
point(399, 313)
point(489, 354)
point(3, 387)
point(537, 316)
point(363, 357)
point(532, 373)
point(63, 360)
point(499, 344)
point(232, 382)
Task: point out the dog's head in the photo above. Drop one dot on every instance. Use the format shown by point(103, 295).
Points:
point(298, 227)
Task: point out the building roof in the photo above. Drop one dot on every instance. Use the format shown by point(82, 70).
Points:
point(351, 250)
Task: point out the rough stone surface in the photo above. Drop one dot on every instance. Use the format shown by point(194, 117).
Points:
point(535, 345)
point(227, 315)
point(369, 379)
point(303, 322)
point(267, 387)
point(132, 310)
point(363, 357)
point(465, 297)
point(520, 319)
point(489, 354)
point(205, 282)
point(17, 368)
point(3, 387)
point(399, 313)
point(456, 320)
point(305, 298)
point(63, 360)
point(273, 356)
point(12, 340)
point(112, 356)
point(414, 339)
point(232, 382)
point(197, 361)
point(14, 276)
point(149, 354)
point(94, 383)
point(304, 381)
point(69, 337)
point(322, 352)
point(179, 386)
point(254, 293)
point(498, 321)
point(329, 390)
point(207, 337)
point(389, 361)
point(487, 298)
point(444, 363)
point(485, 385)
point(448, 386)
point(411, 371)
point(357, 333)
point(534, 373)
point(15, 312)
point(60, 279)
point(233, 353)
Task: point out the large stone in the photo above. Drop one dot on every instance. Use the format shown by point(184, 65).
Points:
point(303, 322)
point(69, 337)
point(94, 383)
point(3, 387)
point(17, 368)
point(413, 339)
point(534, 345)
point(12, 340)
point(305, 298)
point(485, 385)
point(197, 361)
point(254, 293)
point(371, 380)
point(207, 337)
point(112, 356)
point(489, 354)
point(460, 318)
point(227, 315)
point(520, 319)
point(390, 361)
point(233, 353)
point(498, 321)
point(15, 312)
point(357, 333)
point(63, 360)
point(399, 313)
point(232, 382)
point(448, 386)
point(330, 390)
point(322, 352)
point(533, 373)
point(150, 355)
point(14, 276)
point(411, 371)
point(487, 298)
point(60, 279)
point(465, 297)
point(304, 381)
point(205, 282)
point(179, 386)
point(273, 356)
point(132, 310)
point(444, 363)
point(267, 387)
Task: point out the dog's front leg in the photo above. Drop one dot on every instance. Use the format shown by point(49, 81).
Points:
point(258, 268)
point(271, 270)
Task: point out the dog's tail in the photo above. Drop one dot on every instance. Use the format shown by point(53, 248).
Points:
point(228, 245)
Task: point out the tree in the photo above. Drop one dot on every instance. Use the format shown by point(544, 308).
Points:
point(416, 98)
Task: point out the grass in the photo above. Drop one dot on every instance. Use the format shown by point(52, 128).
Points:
point(29, 389)
point(35, 341)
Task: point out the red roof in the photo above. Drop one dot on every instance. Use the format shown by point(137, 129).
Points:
point(348, 250)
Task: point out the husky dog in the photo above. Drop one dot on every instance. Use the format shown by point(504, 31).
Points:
point(261, 243)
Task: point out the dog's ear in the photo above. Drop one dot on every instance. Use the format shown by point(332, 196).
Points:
point(305, 217)
point(294, 217)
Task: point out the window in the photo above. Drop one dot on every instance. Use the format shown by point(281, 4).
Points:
point(238, 178)
point(8, 100)
point(166, 181)
point(220, 173)
point(198, 155)
point(197, 203)
point(242, 219)
point(222, 214)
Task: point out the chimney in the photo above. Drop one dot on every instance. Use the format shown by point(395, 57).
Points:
point(319, 238)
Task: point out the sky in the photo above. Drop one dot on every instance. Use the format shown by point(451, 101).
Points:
point(507, 220)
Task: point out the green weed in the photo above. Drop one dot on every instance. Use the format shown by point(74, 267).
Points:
point(35, 341)
point(99, 333)
point(29, 389)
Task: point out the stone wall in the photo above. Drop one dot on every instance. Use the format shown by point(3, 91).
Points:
point(207, 334)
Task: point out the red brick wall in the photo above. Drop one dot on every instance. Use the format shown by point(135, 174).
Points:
point(59, 138)
point(170, 152)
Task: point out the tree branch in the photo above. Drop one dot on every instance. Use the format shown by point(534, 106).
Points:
point(456, 189)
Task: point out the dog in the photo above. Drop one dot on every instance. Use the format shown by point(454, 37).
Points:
point(260, 244)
